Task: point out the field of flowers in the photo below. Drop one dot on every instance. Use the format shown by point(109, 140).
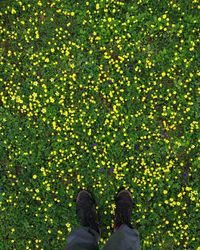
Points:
point(99, 94)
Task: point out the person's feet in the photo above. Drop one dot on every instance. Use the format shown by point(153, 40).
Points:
point(124, 208)
point(87, 214)
point(86, 210)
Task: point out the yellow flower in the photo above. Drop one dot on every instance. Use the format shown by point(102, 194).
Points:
point(68, 225)
point(43, 110)
point(97, 6)
point(34, 176)
point(188, 188)
point(13, 11)
point(52, 100)
point(37, 35)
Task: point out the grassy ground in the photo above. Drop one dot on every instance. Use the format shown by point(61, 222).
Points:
point(99, 94)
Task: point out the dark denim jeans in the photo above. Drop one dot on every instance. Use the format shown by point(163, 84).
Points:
point(85, 238)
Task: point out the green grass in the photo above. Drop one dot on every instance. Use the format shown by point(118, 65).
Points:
point(123, 77)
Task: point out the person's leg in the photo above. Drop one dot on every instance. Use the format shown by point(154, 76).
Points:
point(87, 236)
point(83, 238)
point(125, 238)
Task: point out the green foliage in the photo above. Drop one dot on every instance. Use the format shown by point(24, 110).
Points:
point(97, 95)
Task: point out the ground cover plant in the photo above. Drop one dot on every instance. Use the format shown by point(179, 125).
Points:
point(96, 95)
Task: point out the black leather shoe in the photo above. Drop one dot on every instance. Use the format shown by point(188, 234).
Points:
point(86, 210)
point(124, 208)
